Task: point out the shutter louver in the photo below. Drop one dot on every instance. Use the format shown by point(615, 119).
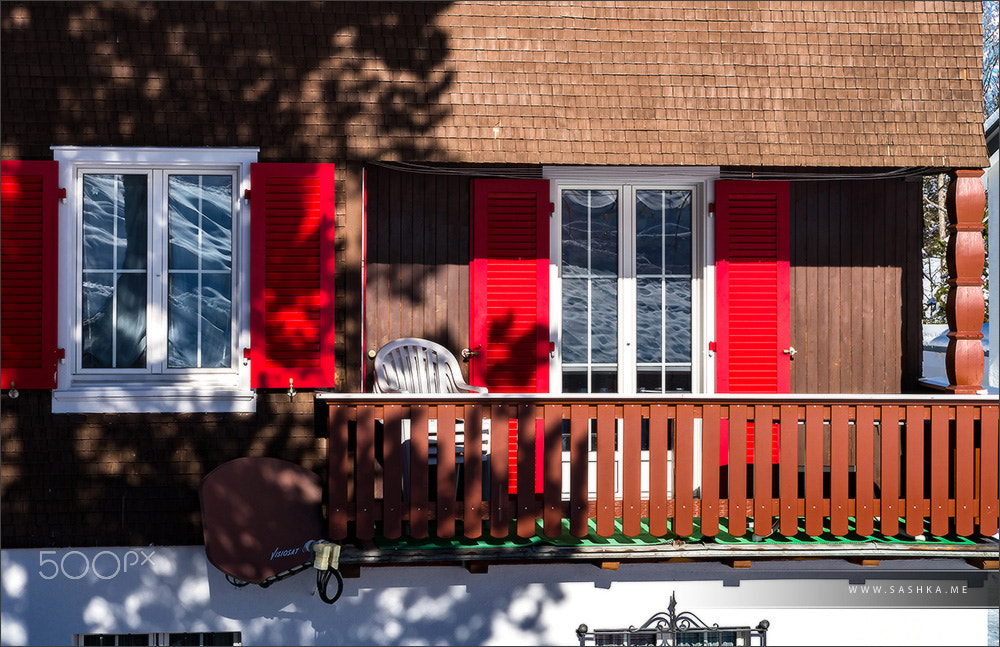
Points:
point(510, 292)
point(752, 271)
point(29, 217)
point(292, 275)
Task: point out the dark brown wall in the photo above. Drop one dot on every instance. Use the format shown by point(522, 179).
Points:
point(417, 282)
point(132, 479)
point(855, 286)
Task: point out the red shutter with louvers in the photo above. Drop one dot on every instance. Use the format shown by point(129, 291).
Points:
point(509, 321)
point(752, 277)
point(29, 220)
point(292, 275)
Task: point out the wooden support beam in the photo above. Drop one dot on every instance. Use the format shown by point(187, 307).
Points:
point(737, 563)
point(984, 563)
point(476, 567)
point(864, 561)
point(350, 571)
point(965, 310)
point(609, 566)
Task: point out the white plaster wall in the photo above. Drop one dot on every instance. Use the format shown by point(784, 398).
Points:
point(175, 589)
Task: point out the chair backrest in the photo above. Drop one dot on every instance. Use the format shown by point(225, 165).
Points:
point(413, 365)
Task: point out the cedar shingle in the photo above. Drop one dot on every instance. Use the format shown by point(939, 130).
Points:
point(335, 80)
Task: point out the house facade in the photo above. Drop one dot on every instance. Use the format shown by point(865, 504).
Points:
point(654, 232)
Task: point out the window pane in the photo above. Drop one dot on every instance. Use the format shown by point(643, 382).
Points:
point(130, 321)
point(648, 380)
point(677, 320)
point(574, 324)
point(114, 221)
point(575, 233)
point(98, 319)
point(605, 382)
point(663, 232)
point(199, 311)
point(114, 251)
point(200, 322)
point(200, 220)
point(604, 320)
point(649, 320)
point(604, 233)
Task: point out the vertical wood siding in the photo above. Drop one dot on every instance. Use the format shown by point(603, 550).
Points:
point(855, 286)
point(417, 271)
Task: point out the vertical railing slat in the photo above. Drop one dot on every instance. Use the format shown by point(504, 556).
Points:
point(914, 470)
point(814, 471)
point(965, 471)
point(499, 477)
point(526, 448)
point(392, 480)
point(889, 511)
point(632, 470)
point(579, 468)
point(710, 452)
point(988, 504)
point(788, 470)
point(552, 473)
point(446, 470)
point(419, 506)
point(337, 497)
point(364, 485)
point(864, 431)
point(684, 471)
point(606, 470)
point(839, 459)
point(762, 459)
point(939, 476)
point(658, 457)
point(737, 470)
point(472, 514)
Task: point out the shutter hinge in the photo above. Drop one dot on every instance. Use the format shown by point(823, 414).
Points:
point(552, 208)
point(711, 208)
point(62, 193)
point(246, 356)
point(61, 355)
point(246, 195)
point(712, 347)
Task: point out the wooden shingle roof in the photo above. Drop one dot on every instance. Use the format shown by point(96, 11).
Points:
point(844, 84)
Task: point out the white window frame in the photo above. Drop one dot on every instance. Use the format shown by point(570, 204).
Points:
point(701, 181)
point(144, 391)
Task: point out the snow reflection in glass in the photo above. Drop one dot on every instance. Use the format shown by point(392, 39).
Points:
point(199, 303)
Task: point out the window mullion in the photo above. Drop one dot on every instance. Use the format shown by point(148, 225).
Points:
point(158, 275)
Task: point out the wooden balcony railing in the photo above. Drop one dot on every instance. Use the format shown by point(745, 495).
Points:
point(669, 466)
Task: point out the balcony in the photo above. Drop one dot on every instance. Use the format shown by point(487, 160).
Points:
point(681, 469)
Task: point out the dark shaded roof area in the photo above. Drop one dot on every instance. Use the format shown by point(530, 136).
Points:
point(881, 84)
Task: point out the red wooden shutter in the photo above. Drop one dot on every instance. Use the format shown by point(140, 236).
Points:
point(752, 277)
point(29, 222)
point(509, 319)
point(292, 218)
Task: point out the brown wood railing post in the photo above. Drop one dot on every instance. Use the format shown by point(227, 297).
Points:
point(392, 479)
point(788, 470)
point(579, 506)
point(965, 309)
point(965, 470)
point(632, 470)
point(814, 471)
point(684, 471)
point(737, 495)
point(606, 470)
point(839, 497)
point(527, 446)
point(472, 522)
point(337, 494)
point(447, 485)
point(364, 487)
point(711, 449)
point(552, 473)
point(658, 484)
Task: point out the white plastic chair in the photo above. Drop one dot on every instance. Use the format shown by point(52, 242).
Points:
point(414, 365)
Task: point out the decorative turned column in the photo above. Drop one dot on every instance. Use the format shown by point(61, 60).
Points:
point(966, 306)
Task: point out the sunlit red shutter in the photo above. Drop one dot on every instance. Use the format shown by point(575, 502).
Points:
point(292, 275)
point(29, 247)
point(752, 277)
point(509, 316)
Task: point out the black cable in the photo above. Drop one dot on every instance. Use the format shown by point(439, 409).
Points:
point(323, 579)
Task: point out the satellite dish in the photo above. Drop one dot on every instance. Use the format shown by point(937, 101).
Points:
point(261, 517)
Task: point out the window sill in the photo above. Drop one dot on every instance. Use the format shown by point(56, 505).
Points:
point(152, 398)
